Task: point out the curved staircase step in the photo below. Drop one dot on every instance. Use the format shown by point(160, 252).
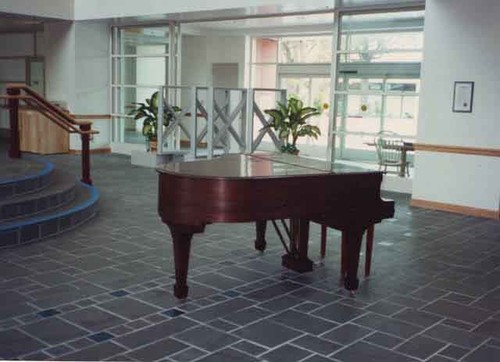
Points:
point(52, 222)
point(23, 176)
point(60, 191)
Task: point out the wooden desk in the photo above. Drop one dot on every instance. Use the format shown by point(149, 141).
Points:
point(40, 135)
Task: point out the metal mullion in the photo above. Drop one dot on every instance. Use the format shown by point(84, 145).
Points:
point(159, 55)
point(135, 86)
point(413, 50)
point(121, 77)
point(382, 9)
point(360, 93)
point(112, 92)
point(384, 105)
point(336, 41)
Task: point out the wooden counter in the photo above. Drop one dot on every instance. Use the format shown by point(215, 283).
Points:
point(40, 135)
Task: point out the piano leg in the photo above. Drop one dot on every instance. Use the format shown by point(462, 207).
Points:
point(181, 238)
point(260, 231)
point(297, 259)
point(353, 239)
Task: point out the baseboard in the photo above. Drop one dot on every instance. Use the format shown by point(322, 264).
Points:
point(92, 151)
point(457, 209)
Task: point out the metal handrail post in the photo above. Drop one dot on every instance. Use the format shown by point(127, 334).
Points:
point(85, 135)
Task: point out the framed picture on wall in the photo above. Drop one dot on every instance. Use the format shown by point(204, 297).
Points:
point(463, 94)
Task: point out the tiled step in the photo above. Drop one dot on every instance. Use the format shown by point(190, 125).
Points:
point(60, 191)
point(23, 176)
point(49, 223)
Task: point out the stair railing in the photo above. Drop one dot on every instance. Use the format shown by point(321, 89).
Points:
point(64, 120)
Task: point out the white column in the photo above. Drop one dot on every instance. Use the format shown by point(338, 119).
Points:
point(60, 62)
point(77, 73)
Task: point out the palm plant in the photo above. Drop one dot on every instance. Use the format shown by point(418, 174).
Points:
point(148, 111)
point(290, 122)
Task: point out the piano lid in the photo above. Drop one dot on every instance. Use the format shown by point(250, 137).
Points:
point(258, 166)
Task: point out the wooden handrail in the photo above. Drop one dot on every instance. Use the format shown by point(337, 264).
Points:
point(54, 114)
point(53, 117)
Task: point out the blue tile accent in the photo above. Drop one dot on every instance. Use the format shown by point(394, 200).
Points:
point(231, 293)
point(59, 350)
point(101, 336)
point(173, 313)
point(48, 313)
point(49, 167)
point(93, 198)
point(119, 293)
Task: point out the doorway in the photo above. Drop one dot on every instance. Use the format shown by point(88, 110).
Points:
point(314, 91)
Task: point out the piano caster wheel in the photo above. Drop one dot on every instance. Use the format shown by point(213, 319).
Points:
point(260, 246)
point(352, 293)
point(181, 292)
point(351, 285)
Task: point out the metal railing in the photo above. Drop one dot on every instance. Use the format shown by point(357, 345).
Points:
point(220, 120)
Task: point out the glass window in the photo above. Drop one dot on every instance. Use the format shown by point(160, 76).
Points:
point(264, 76)
point(317, 49)
point(403, 85)
point(265, 50)
point(133, 38)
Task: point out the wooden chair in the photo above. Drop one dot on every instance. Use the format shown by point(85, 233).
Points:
point(368, 253)
point(389, 146)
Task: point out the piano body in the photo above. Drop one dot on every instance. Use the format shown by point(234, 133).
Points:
point(260, 187)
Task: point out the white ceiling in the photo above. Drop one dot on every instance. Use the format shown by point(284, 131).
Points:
point(244, 19)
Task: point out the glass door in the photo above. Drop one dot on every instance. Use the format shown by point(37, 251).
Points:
point(371, 105)
point(143, 59)
point(314, 91)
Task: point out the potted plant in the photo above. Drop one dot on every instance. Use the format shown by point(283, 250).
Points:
point(148, 111)
point(290, 122)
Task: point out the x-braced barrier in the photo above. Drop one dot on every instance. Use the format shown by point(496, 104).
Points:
point(213, 121)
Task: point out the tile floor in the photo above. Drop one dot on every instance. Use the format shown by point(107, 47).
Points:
point(103, 291)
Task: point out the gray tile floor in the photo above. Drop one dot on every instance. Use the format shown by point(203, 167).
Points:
point(103, 291)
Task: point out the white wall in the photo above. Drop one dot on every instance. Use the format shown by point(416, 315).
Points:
point(95, 9)
point(460, 44)
point(60, 62)
point(14, 70)
point(61, 9)
point(21, 44)
point(77, 72)
point(199, 53)
point(92, 75)
point(194, 66)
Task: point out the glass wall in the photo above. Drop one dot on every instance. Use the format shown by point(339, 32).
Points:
point(301, 65)
point(378, 83)
point(141, 62)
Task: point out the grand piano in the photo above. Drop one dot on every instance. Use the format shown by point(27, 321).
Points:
point(261, 187)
